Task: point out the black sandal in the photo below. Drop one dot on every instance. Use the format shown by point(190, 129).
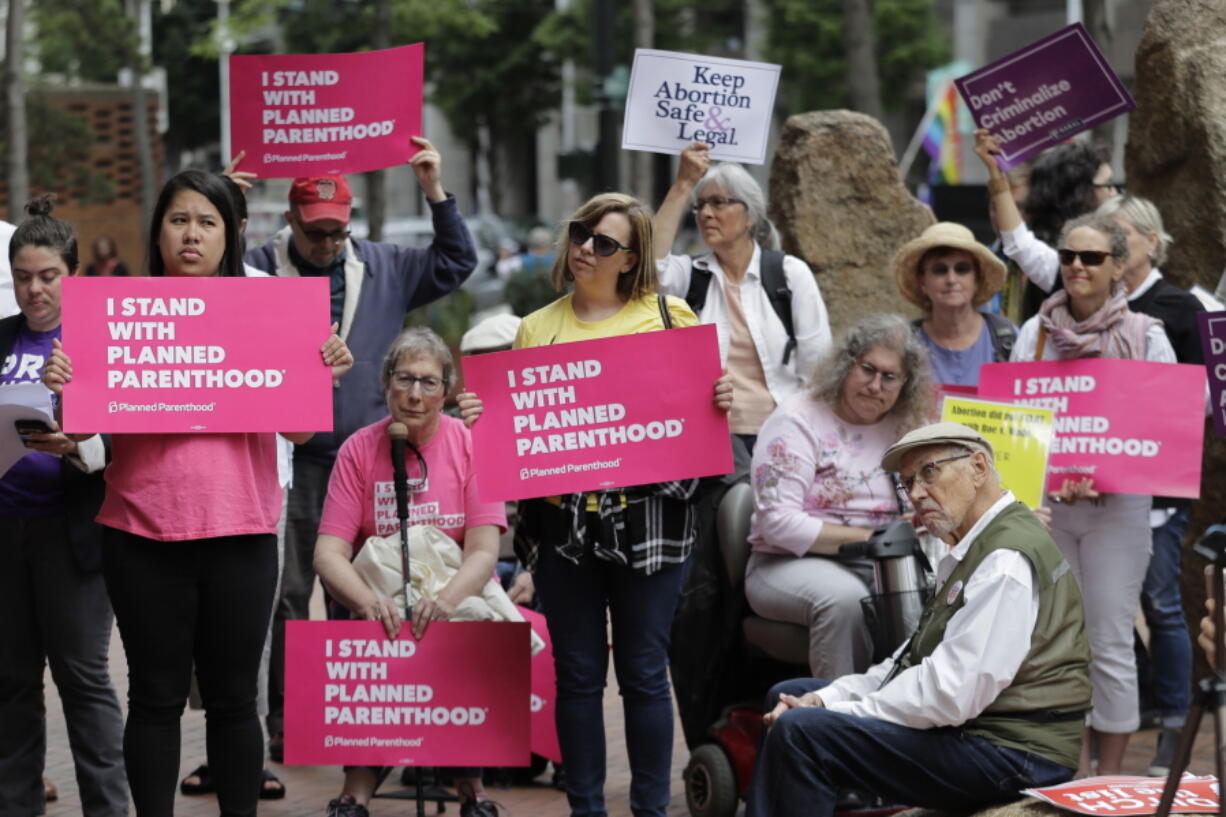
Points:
point(205, 786)
point(277, 789)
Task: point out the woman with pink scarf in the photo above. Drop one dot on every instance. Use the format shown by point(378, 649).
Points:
point(1105, 537)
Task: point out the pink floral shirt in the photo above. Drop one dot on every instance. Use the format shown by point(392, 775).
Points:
point(811, 467)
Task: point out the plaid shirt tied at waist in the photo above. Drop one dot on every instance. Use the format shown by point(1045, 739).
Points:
point(643, 527)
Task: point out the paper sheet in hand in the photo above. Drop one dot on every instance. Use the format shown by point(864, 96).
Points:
point(20, 401)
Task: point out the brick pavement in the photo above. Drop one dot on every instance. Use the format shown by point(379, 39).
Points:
point(309, 788)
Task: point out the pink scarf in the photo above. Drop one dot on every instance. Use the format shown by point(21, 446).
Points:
point(1113, 331)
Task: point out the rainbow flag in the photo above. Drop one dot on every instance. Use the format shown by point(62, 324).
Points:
point(943, 141)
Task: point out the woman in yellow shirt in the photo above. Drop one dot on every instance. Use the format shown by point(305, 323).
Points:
point(619, 550)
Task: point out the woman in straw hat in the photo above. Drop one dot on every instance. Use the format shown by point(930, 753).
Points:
point(947, 273)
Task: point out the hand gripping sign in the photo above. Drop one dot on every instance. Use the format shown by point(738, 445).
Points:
point(675, 99)
point(457, 697)
point(598, 414)
point(321, 114)
point(211, 355)
point(1044, 94)
point(1135, 427)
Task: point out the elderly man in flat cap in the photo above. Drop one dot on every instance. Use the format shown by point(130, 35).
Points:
point(989, 695)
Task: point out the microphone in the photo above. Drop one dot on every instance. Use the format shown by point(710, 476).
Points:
point(399, 434)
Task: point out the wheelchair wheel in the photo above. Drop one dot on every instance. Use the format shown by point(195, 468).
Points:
point(710, 783)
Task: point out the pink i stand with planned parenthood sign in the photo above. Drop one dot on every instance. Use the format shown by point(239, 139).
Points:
point(322, 114)
point(457, 697)
point(1134, 427)
point(202, 355)
point(1044, 94)
point(598, 414)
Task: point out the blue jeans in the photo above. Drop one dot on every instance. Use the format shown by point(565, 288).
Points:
point(1170, 646)
point(809, 754)
point(574, 598)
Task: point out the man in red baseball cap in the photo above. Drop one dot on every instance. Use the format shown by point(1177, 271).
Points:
point(319, 217)
point(373, 285)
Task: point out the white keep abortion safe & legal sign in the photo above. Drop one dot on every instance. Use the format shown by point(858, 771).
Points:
point(675, 99)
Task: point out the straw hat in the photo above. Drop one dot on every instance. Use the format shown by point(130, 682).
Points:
point(954, 236)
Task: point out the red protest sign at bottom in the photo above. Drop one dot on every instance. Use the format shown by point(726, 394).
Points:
point(458, 697)
point(1124, 795)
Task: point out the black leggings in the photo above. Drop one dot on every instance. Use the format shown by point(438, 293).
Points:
point(205, 601)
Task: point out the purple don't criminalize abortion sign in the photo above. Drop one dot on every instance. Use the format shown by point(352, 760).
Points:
point(1043, 94)
point(1213, 341)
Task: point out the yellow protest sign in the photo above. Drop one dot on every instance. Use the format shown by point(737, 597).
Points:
point(1020, 435)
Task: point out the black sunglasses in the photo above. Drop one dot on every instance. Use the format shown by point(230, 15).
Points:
point(603, 245)
point(1089, 258)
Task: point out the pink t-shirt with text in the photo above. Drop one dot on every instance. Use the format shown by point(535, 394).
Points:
point(174, 487)
point(361, 499)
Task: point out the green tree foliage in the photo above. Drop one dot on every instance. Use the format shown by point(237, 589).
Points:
point(449, 316)
point(194, 95)
point(806, 38)
point(83, 39)
point(59, 150)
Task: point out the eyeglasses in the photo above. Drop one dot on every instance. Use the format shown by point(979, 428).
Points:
point(927, 474)
point(403, 381)
point(320, 236)
point(717, 203)
point(1089, 258)
point(1117, 187)
point(890, 381)
point(958, 268)
point(603, 245)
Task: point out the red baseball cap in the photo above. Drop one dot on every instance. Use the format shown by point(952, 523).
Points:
point(321, 197)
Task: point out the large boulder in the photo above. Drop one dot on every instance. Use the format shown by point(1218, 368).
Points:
point(1176, 152)
point(840, 204)
point(1177, 158)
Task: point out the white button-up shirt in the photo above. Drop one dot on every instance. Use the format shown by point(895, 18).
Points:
point(981, 652)
point(809, 318)
point(1038, 260)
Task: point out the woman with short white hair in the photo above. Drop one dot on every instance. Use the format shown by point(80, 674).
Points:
point(765, 304)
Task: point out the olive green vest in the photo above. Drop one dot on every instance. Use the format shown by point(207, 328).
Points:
point(1040, 711)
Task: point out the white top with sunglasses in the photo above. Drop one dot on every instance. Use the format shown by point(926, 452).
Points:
point(809, 318)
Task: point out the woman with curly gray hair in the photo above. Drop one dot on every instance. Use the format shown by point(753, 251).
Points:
point(818, 484)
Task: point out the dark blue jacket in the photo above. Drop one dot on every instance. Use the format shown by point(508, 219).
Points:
point(393, 280)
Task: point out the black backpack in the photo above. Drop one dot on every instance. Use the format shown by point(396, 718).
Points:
point(1003, 332)
point(773, 281)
